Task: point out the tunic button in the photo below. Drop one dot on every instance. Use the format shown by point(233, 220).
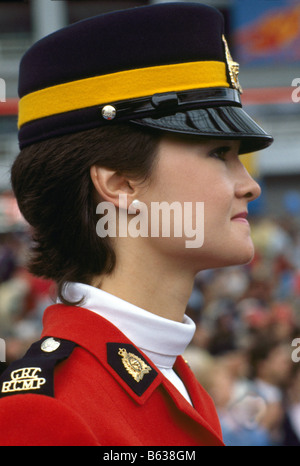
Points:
point(50, 345)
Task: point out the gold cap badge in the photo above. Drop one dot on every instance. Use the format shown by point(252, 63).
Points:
point(134, 365)
point(233, 66)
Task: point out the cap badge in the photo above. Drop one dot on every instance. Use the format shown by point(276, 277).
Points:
point(134, 365)
point(233, 66)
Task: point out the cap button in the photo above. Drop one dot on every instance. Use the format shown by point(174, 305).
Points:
point(109, 112)
point(50, 345)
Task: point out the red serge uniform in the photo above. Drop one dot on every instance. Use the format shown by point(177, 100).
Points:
point(103, 391)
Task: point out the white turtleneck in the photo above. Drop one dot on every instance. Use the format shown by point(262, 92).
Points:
point(162, 340)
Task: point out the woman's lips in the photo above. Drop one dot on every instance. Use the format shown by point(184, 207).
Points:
point(241, 217)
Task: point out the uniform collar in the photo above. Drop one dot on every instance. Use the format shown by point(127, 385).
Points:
point(162, 340)
point(102, 339)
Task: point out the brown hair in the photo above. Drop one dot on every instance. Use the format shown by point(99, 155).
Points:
point(52, 184)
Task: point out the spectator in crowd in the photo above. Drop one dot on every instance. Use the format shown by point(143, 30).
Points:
point(291, 424)
point(23, 297)
point(271, 364)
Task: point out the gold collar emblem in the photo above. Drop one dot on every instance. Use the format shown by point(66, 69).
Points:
point(233, 66)
point(134, 365)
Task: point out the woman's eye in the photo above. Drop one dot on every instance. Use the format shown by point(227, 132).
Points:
point(219, 154)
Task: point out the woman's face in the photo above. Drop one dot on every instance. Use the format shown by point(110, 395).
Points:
point(209, 172)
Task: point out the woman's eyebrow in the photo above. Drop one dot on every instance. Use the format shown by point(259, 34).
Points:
point(222, 148)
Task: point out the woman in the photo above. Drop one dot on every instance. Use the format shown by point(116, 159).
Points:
point(110, 127)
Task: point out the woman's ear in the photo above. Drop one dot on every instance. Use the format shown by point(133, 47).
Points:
point(112, 186)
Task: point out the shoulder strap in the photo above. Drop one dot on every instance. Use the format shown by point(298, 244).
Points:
point(3, 367)
point(34, 373)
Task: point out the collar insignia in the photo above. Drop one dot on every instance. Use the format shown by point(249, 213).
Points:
point(134, 365)
point(131, 366)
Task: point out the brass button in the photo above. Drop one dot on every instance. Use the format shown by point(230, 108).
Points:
point(109, 112)
point(50, 345)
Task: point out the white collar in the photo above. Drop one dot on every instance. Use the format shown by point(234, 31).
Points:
point(162, 340)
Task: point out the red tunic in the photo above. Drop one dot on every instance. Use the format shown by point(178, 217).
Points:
point(99, 400)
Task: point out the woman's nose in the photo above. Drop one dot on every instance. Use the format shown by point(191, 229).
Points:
point(247, 187)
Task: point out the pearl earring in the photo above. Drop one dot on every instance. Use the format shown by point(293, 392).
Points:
point(136, 204)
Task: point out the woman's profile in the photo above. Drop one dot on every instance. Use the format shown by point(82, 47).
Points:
point(130, 130)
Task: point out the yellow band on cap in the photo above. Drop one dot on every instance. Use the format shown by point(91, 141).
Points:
point(120, 86)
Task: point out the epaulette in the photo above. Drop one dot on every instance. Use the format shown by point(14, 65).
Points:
point(34, 373)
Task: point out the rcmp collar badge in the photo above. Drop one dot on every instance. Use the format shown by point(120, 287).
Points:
point(131, 367)
point(134, 365)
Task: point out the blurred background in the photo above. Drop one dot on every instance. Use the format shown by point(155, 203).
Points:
point(248, 318)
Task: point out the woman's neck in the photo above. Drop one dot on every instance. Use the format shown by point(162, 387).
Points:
point(156, 286)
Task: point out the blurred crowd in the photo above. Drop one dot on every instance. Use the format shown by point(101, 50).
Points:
point(245, 351)
point(23, 297)
point(247, 330)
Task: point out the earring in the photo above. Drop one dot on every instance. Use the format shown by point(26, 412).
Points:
point(136, 204)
